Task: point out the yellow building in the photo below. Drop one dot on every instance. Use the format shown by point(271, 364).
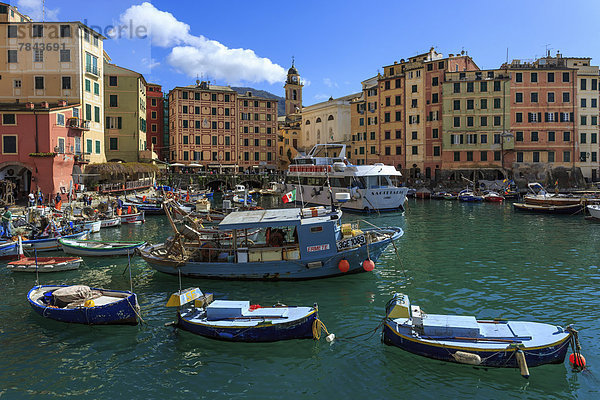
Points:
point(125, 110)
point(326, 122)
point(53, 61)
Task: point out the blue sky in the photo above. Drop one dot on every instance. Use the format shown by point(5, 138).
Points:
point(336, 44)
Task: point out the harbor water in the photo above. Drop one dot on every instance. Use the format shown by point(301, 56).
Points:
point(472, 259)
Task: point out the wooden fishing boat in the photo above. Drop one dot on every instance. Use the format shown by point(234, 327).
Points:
point(299, 244)
point(463, 339)
point(84, 305)
point(594, 211)
point(468, 196)
point(110, 222)
point(9, 250)
point(92, 226)
point(50, 243)
point(493, 197)
point(44, 264)
point(238, 321)
point(147, 208)
point(136, 218)
point(99, 248)
point(549, 209)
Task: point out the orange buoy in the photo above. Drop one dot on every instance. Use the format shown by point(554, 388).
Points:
point(577, 360)
point(344, 265)
point(368, 265)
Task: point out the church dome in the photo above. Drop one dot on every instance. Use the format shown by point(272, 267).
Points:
point(292, 71)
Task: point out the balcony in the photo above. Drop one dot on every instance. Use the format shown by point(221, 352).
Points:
point(91, 69)
point(81, 158)
point(76, 123)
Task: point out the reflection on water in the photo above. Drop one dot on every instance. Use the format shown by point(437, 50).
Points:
point(477, 259)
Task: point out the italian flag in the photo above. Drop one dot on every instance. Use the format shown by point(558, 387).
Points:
point(291, 196)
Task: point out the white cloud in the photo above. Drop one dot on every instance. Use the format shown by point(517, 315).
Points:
point(322, 96)
point(198, 55)
point(305, 82)
point(34, 9)
point(329, 83)
point(150, 63)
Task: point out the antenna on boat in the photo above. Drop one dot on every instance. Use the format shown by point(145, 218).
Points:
point(300, 190)
point(129, 267)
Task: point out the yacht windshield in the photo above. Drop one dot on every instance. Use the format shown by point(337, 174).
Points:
point(379, 181)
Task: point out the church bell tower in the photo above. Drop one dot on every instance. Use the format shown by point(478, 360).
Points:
point(293, 92)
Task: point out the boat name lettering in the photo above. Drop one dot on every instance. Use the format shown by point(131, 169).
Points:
point(351, 242)
point(319, 247)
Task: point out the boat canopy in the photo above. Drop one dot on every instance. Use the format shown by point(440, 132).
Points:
point(271, 218)
point(261, 219)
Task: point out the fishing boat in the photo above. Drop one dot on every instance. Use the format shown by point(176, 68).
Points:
point(450, 196)
point(439, 195)
point(299, 244)
point(147, 208)
point(539, 196)
point(371, 187)
point(110, 222)
point(464, 339)
point(50, 243)
point(550, 209)
point(92, 226)
point(493, 197)
point(469, 196)
point(44, 264)
point(99, 248)
point(9, 250)
point(238, 321)
point(594, 211)
point(84, 305)
point(136, 218)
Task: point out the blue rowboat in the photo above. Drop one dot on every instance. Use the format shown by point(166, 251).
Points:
point(9, 250)
point(51, 243)
point(98, 248)
point(237, 321)
point(299, 244)
point(147, 208)
point(463, 339)
point(469, 197)
point(84, 305)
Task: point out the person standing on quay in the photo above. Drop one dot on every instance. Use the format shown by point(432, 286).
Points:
point(31, 199)
point(58, 202)
point(6, 225)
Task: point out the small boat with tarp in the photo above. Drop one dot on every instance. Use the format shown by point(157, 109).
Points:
point(84, 305)
point(238, 321)
point(99, 248)
point(464, 339)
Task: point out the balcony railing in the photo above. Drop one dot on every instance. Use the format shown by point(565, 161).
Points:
point(76, 123)
point(95, 70)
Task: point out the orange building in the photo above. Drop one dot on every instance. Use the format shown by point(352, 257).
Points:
point(220, 129)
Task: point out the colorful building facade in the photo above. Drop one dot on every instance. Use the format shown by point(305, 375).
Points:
point(155, 121)
point(125, 110)
point(42, 146)
point(218, 128)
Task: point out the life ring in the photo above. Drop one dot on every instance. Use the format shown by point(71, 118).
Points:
point(169, 195)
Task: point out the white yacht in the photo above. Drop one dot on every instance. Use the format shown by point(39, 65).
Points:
point(370, 187)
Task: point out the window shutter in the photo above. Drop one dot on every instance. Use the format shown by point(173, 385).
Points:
point(108, 122)
point(556, 117)
point(118, 122)
point(539, 117)
point(571, 117)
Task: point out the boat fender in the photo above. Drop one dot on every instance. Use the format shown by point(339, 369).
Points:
point(522, 364)
point(368, 265)
point(344, 265)
point(467, 358)
point(330, 338)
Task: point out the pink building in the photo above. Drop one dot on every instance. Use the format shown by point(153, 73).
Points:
point(42, 146)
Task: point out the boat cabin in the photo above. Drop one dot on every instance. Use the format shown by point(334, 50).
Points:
point(290, 234)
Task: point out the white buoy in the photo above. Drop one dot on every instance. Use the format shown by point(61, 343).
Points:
point(467, 358)
point(330, 338)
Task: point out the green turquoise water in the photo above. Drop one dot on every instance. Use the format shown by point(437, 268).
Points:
point(475, 259)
